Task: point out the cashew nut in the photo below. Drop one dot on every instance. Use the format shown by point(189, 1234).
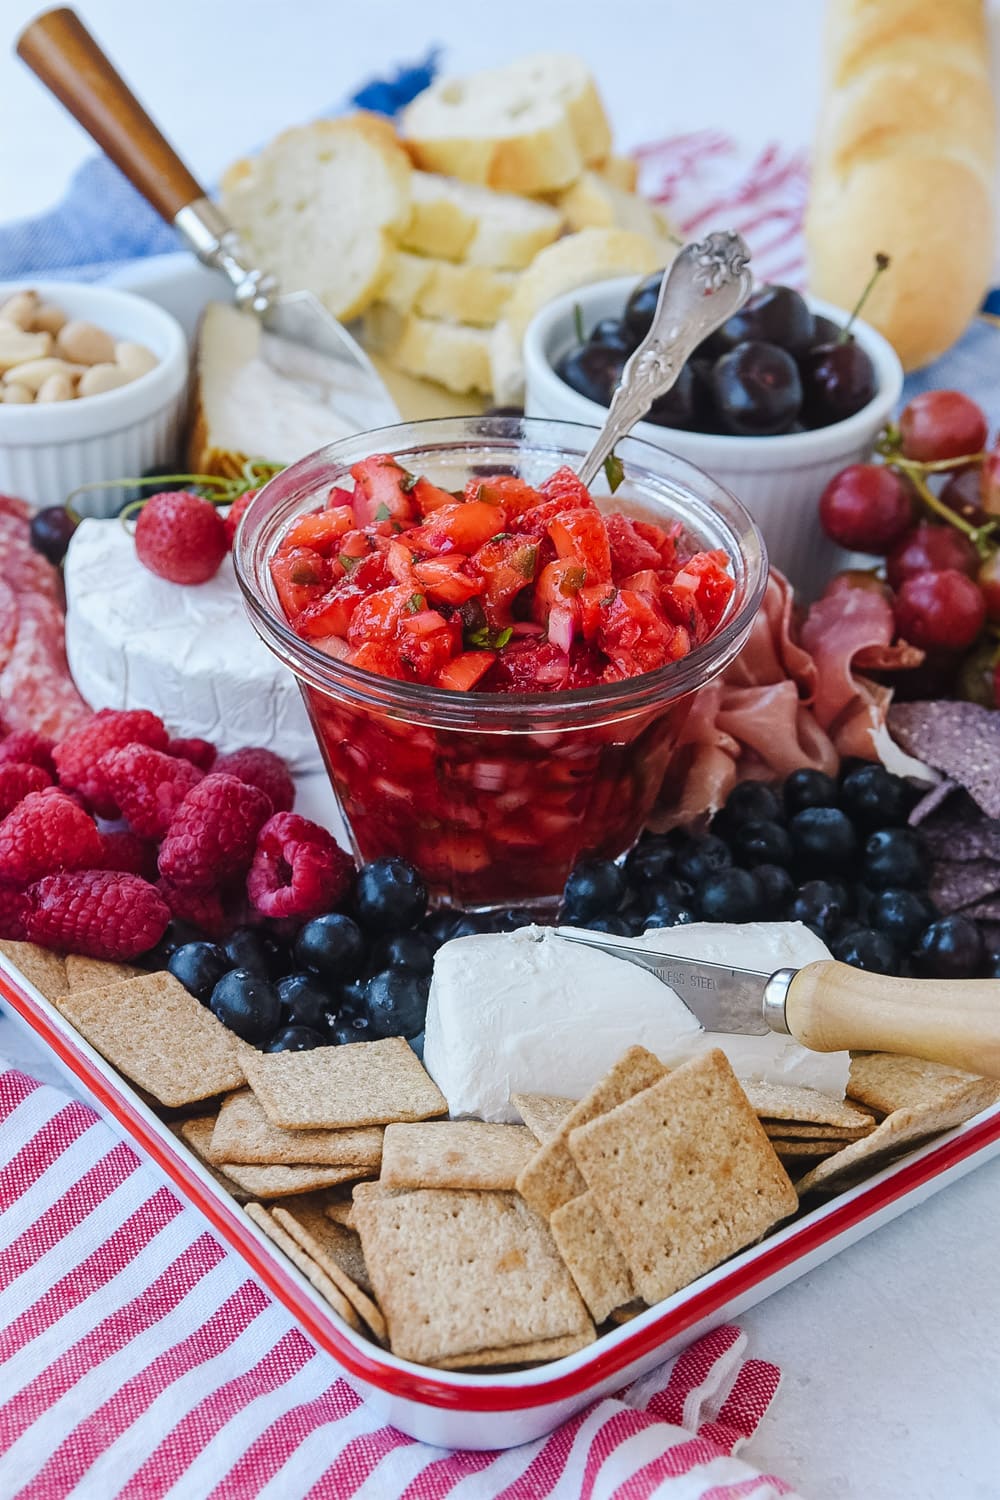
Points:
point(20, 309)
point(101, 378)
point(34, 372)
point(55, 388)
point(135, 359)
point(85, 343)
point(17, 346)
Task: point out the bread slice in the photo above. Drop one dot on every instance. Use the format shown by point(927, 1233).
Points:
point(528, 127)
point(593, 202)
point(318, 205)
point(405, 282)
point(577, 260)
point(440, 289)
point(622, 171)
point(506, 366)
point(452, 354)
point(458, 221)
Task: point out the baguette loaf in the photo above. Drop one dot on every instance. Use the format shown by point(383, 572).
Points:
point(904, 164)
point(458, 221)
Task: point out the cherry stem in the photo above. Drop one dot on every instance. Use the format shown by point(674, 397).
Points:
point(881, 264)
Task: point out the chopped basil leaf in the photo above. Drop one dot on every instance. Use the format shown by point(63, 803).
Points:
point(502, 637)
point(408, 481)
point(348, 563)
point(526, 561)
point(581, 337)
point(485, 639)
point(383, 513)
point(502, 536)
point(614, 471)
point(416, 603)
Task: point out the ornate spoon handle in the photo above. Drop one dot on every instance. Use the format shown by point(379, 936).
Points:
point(707, 283)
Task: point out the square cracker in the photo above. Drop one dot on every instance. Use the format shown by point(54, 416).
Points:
point(793, 1130)
point(591, 1251)
point(330, 1088)
point(455, 1154)
point(243, 1133)
point(160, 1037)
point(907, 1127)
point(197, 1133)
point(41, 967)
point(792, 1150)
point(90, 973)
point(552, 1177)
point(542, 1113)
point(310, 1270)
point(783, 1101)
point(539, 1351)
point(457, 1273)
point(285, 1182)
point(886, 1082)
point(341, 1211)
point(337, 1251)
point(683, 1175)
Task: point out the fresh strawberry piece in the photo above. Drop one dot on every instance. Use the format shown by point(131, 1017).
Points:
point(558, 583)
point(382, 493)
point(630, 551)
point(514, 495)
point(646, 582)
point(148, 786)
point(704, 576)
point(428, 497)
point(353, 546)
point(17, 780)
point(581, 534)
point(97, 913)
point(637, 638)
point(77, 757)
point(213, 834)
point(567, 488)
point(299, 870)
point(200, 753)
point(236, 512)
point(662, 542)
point(26, 747)
point(300, 576)
point(46, 832)
point(428, 642)
point(330, 615)
point(377, 616)
point(457, 528)
point(123, 850)
point(444, 580)
point(263, 769)
point(593, 601)
point(399, 561)
point(338, 496)
point(507, 565)
point(529, 666)
point(378, 657)
point(14, 908)
point(322, 531)
point(180, 536)
point(587, 666)
point(463, 672)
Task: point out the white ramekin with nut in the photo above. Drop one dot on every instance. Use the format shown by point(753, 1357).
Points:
point(92, 386)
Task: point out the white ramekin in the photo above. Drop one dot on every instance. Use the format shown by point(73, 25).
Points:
point(778, 479)
point(47, 451)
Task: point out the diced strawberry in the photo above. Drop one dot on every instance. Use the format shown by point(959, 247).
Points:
point(630, 551)
point(377, 615)
point(330, 615)
point(529, 666)
point(506, 490)
point(428, 497)
point(423, 621)
point(557, 583)
point(338, 496)
point(457, 528)
point(444, 579)
point(581, 534)
point(382, 493)
point(662, 542)
point(705, 576)
point(428, 641)
point(354, 544)
point(300, 575)
point(646, 582)
point(463, 672)
point(322, 530)
point(376, 656)
point(399, 561)
point(594, 600)
point(636, 637)
point(506, 565)
point(567, 488)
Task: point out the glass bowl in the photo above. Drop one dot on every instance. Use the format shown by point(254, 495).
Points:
point(495, 796)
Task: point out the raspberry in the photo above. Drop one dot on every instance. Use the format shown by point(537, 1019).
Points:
point(214, 832)
point(28, 748)
point(200, 753)
point(126, 851)
point(264, 769)
point(99, 913)
point(180, 536)
point(46, 832)
point(77, 756)
point(298, 870)
point(205, 910)
point(14, 906)
point(148, 786)
point(236, 513)
point(17, 780)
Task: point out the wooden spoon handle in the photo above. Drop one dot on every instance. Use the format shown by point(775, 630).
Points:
point(831, 1007)
point(60, 50)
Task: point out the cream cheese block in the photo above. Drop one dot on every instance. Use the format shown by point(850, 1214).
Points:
point(190, 654)
point(528, 1012)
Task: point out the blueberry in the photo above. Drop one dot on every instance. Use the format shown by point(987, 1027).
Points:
point(951, 948)
point(350, 1029)
point(700, 858)
point(807, 788)
point(417, 1044)
point(993, 966)
point(396, 1002)
point(650, 861)
point(471, 924)
point(305, 998)
point(248, 1004)
point(901, 915)
point(295, 1039)
point(730, 896)
point(864, 948)
point(896, 857)
point(249, 948)
point(614, 925)
point(439, 927)
point(595, 887)
point(748, 802)
point(199, 967)
point(332, 946)
point(403, 950)
point(761, 841)
point(389, 895)
point(776, 887)
point(666, 914)
point(874, 798)
point(823, 840)
point(677, 892)
point(512, 919)
point(820, 905)
point(176, 934)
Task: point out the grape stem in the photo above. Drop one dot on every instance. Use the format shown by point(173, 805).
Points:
point(978, 535)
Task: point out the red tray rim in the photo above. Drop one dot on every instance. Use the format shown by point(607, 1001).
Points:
point(511, 1393)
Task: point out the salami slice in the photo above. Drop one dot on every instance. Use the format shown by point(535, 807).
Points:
point(8, 622)
point(36, 690)
point(21, 566)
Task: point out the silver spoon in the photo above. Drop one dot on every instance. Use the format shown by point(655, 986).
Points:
point(709, 281)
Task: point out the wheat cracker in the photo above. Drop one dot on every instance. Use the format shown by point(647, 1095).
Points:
point(539, 1351)
point(285, 1182)
point(784, 1101)
point(197, 1134)
point(792, 1150)
point(90, 973)
point(40, 966)
point(337, 1251)
point(341, 1211)
point(311, 1271)
point(591, 1252)
point(332, 1088)
point(455, 1154)
point(683, 1175)
point(542, 1113)
point(884, 1081)
point(243, 1133)
point(781, 1130)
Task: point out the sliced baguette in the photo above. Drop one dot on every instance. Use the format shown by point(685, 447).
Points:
point(622, 171)
point(528, 127)
point(440, 289)
point(318, 205)
point(577, 260)
point(452, 354)
point(592, 202)
point(459, 221)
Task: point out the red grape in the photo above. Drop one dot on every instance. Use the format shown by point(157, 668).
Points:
point(988, 579)
point(940, 609)
point(962, 493)
point(867, 508)
point(941, 424)
point(989, 483)
point(928, 549)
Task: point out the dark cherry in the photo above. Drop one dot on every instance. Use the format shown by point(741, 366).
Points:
point(757, 390)
point(825, 330)
point(641, 305)
point(837, 381)
point(593, 370)
point(677, 408)
point(51, 530)
point(611, 333)
point(773, 315)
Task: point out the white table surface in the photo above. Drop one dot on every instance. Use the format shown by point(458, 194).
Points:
point(891, 1351)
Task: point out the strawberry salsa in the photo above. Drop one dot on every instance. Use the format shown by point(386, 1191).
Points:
point(500, 588)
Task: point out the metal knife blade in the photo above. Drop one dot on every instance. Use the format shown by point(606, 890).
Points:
point(723, 997)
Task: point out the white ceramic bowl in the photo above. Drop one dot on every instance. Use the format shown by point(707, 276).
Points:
point(778, 479)
point(46, 451)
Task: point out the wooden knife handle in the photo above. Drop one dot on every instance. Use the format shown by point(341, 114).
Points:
point(831, 1007)
point(60, 50)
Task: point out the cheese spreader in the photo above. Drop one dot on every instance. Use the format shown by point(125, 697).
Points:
point(59, 49)
point(829, 1006)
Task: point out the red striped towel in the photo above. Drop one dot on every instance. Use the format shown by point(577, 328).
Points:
point(139, 1359)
